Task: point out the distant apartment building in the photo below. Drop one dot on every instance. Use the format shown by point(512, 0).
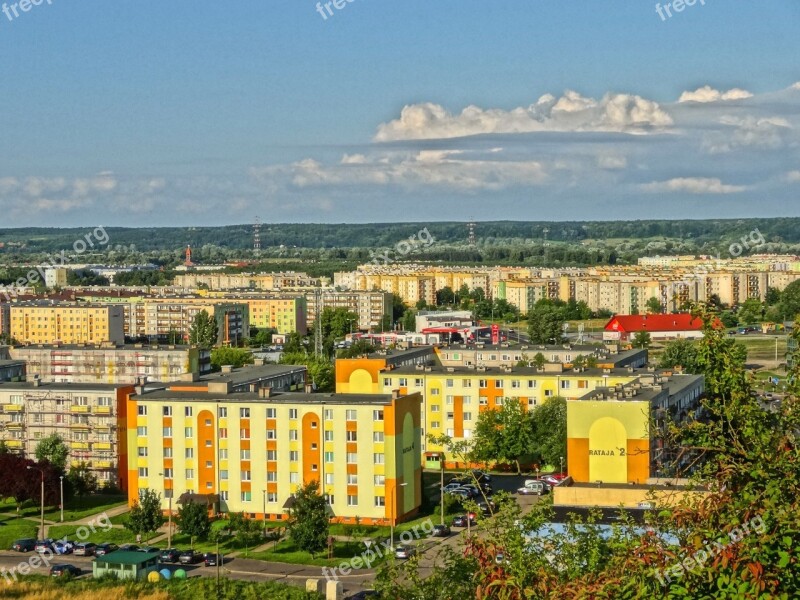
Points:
point(372, 308)
point(158, 318)
point(55, 277)
point(111, 363)
point(285, 314)
point(5, 318)
point(86, 416)
point(246, 281)
point(66, 323)
point(510, 355)
point(251, 451)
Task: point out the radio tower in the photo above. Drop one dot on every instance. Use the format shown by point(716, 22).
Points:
point(257, 237)
point(471, 240)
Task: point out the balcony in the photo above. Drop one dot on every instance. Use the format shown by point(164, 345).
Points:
point(79, 426)
point(79, 445)
point(76, 408)
point(102, 410)
point(15, 425)
point(12, 408)
point(101, 446)
point(14, 443)
point(102, 464)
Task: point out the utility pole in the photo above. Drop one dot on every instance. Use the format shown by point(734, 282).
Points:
point(318, 323)
point(441, 486)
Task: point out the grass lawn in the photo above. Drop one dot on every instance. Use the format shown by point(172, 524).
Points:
point(287, 552)
point(85, 507)
point(100, 535)
point(8, 506)
point(12, 529)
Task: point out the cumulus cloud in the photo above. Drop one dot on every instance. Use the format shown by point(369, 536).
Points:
point(623, 113)
point(768, 133)
point(796, 86)
point(693, 185)
point(707, 94)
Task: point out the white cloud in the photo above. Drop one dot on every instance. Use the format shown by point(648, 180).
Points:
point(611, 162)
point(572, 112)
point(796, 86)
point(793, 176)
point(693, 185)
point(768, 132)
point(708, 94)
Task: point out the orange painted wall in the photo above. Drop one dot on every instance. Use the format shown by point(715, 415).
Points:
point(578, 458)
point(122, 400)
point(206, 453)
point(311, 436)
point(638, 460)
point(346, 366)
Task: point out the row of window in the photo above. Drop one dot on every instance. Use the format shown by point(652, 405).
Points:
point(244, 413)
point(19, 399)
point(483, 384)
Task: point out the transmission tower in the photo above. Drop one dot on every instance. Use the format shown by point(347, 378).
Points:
point(318, 322)
point(257, 236)
point(471, 240)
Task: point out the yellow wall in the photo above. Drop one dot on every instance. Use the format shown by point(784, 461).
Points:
point(614, 497)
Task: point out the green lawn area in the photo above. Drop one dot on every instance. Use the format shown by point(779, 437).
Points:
point(73, 510)
point(287, 552)
point(763, 348)
point(8, 506)
point(100, 535)
point(13, 529)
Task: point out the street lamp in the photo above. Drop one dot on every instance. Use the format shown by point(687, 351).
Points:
point(394, 514)
point(562, 466)
point(62, 497)
point(41, 523)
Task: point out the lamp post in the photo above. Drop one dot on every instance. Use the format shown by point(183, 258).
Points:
point(394, 514)
point(562, 466)
point(61, 478)
point(264, 496)
point(41, 522)
point(441, 486)
point(169, 515)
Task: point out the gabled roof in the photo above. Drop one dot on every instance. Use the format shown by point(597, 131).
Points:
point(634, 323)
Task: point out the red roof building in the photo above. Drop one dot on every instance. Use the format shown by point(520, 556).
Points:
point(624, 327)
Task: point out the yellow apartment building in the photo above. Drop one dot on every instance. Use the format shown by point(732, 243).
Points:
point(50, 323)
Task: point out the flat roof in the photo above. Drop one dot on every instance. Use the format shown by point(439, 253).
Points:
point(142, 347)
point(11, 363)
point(247, 373)
point(275, 397)
point(121, 557)
point(62, 387)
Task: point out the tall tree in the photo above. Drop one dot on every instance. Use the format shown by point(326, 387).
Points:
point(237, 357)
point(81, 480)
point(653, 306)
point(308, 519)
point(145, 516)
point(203, 331)
point(545, 324)
point(641, 339)
point(193, 520)
point(503, 435)
point(409, 321)
point(549, 431)
point(790, 301)
point(52, 449)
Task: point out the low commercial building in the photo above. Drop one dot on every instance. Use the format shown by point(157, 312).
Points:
point(250, 451)
point(510, 355)
point(111, 363)
point(86, 416)
point(43, 322)
point(623, 328)
point(125, 565)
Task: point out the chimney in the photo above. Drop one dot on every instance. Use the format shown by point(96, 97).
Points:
point(227, 369)
point(265, 392)
point(309, 387)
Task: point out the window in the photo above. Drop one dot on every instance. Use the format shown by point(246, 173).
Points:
point(483, 401)
point(467, 383)
point(142, 431)
point(247, 496)
point(329, 457)
point(272, 497)
point(328, 414)
point(271, 413)
point(377, 436)
point(418, 382)
point(515, 383)
point(294, 477)
point(245, 475)
point(352, 500)
point(352, 458)
point(448, 400)
point(244, 413)
point(223, 433)
point(434, 424)
point(435, 408)
point(223, 454)
point(531, 401)
point(330, 499)
point(187, 411)
point(328, 478)
point(140, 410)
point(548, 393)
point(167, 432)
point(498, 384)
point(167, 411)
point(352, 479)
point(468, 416)
point(329, 435)
point(583, 384)
point(387, 381)
point(223, 474)
point(313, 424)
point(188, 432)
point(351, 415)
point(272, 455)
point(244, 434)
point(378, 458)
point(189, 473)
point(292, 413)
point(142, 471)
point(450, 431)
point(167, 473)
point(352, 436)
point(380, 501)
point(189, 452)
point(222, 412)
point(168, 452)
point(224, 495)
point(380, 480)
point(244, 454)
point(531, 383)
point(142, 451)
point(293, 435)
point(294, 456)
point(403, 382)
point(104, 401)
point(377, 415)
point(449, 383)
point(449, 416)
point(565, 385)
point(272, 434)
point(498, 402)
point(482, 383)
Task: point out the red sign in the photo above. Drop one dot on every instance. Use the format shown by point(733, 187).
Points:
point(495, 334)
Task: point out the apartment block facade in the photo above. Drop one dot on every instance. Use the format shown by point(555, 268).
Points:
point(66, 323)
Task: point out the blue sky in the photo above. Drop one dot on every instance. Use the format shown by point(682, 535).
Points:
point(200, 113)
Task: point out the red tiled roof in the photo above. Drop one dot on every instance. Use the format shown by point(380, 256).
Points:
point(634, 323)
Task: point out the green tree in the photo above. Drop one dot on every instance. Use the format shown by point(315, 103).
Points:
point(653, 306)
point(409, 321)
point(308, 519)
point(539, 361)
point(751, 312)
point(681, 353)
point(145, 516)
point(203, 331)
point(641, 339)
point(790, 301)
point(549, 431)
point(503, 435)
point(81, 481)
point(52, 449)
point(545, 324)
point(237, 357)
point(320, 369)
point(193, 520)
point(247, 532)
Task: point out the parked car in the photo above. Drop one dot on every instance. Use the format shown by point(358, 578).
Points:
point(85, 549)
point(440, 531)
point(104, 549)
point(210, 559)
point(44, 546)
point(536, 488)
point(481, 476)
point(453, 485)
point(404, 552)
point(553, 480)
point(170, 555)
point(487, 508)
point(24, 545)
point(461, 521)
point(190, 557)
point(65, 570)
point(363, 595)
point(149, 550)
point(129, 548)
point(64, 547)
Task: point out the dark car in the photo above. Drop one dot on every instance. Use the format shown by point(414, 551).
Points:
point(170, 555)
point(128, 548)
point(65, 570)
point(461, 521)
point(85, 549)
point(440, 531)
point(24, 545)
point(211, 559)
point(104, 549)
point(45, 546)
point(363, 595)
point(190, 557)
